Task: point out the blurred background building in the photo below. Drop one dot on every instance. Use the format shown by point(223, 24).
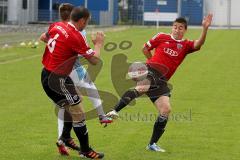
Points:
point(130, 12)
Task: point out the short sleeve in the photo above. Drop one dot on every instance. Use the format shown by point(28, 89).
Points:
point(190, 46)
point(49, 29)
point(51, 26)
point(81, 47)
point(154, 42)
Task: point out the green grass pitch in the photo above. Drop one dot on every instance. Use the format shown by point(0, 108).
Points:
point(205, 101)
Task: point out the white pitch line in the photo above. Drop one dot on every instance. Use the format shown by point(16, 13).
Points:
point(8, 55)
point(19, 59)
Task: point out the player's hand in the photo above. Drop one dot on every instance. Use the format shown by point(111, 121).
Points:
point(98, 39)
point(207, 20)
point(93, 38)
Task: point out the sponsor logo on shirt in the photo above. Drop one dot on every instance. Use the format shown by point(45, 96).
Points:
point(170, 52)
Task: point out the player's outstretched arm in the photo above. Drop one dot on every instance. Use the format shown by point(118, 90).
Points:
point(98, 42)
point(207, 20)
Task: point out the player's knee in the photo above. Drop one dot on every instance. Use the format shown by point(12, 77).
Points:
point(143, 86)
point(166, 109)
point(142, 89)
point(75, 109)
point(76, 113)
point(163, 105)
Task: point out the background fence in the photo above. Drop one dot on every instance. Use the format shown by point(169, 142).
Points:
point(130, 12)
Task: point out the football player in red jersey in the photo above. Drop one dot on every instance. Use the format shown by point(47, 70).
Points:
point(64, 128)
point(65, 43)
point(81, 80)
point(170, 51)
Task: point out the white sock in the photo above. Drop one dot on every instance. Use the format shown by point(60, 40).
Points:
point(60, 121)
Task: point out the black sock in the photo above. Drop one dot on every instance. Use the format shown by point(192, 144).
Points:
point(66, 130)
point(67, 126)
point(81, 132)
point(126, 99)
point(158, 129)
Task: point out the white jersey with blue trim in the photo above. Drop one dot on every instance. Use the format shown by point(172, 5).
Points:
point(81, 71)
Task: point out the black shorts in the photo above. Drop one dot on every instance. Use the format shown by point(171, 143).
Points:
point(159, 86)
point(59, 88)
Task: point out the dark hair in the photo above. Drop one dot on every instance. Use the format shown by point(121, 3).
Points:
point(78, 13)
point(65, 10)
point(181, 20)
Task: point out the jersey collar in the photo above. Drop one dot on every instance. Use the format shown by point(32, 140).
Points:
point(69, 23)
point(176, 39)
